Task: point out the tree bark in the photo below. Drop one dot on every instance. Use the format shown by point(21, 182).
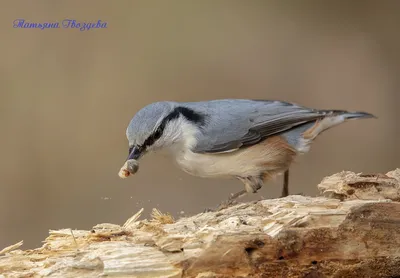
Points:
point(351, 230)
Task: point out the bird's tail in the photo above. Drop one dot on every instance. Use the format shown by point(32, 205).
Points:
point(357, 115)
point(332, 118)
point(347, 114)
point(329, 118)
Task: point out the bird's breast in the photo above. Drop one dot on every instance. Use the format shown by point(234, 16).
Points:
point(270, 155)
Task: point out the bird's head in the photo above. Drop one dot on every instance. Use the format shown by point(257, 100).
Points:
point(150, 128)
point(160, 125)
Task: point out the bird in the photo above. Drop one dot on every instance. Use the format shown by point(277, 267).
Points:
point(252, 140)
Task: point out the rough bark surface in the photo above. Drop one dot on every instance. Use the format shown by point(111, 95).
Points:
point(352, 230)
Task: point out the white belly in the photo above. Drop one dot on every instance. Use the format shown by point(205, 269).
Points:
point(267, 156)
point(216, 165)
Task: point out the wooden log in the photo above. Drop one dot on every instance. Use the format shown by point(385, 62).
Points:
point(352, 230)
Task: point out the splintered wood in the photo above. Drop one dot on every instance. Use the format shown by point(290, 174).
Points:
point(352, 230)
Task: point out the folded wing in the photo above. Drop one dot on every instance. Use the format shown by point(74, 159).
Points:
point(234, 124)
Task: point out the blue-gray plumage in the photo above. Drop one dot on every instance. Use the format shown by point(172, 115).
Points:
point(248, 139)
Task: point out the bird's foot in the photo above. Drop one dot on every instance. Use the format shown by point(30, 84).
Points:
point(208, 210)
point(232, 200)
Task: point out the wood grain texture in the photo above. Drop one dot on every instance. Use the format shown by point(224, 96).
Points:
point(336, 235)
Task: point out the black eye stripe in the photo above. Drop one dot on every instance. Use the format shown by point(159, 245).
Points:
point(189, 114)
point(155, 135)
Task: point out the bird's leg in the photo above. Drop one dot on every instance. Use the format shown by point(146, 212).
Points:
point(251, 185)
point(285, 189)
point(231, 201)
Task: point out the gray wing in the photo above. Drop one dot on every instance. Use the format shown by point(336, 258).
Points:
point(233, 124)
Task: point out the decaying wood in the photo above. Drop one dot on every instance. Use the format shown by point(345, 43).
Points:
point(352, 230)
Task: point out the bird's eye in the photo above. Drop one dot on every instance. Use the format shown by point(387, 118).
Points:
point(157, 134)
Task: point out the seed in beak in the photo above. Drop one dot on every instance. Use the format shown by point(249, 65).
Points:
point(130, 167)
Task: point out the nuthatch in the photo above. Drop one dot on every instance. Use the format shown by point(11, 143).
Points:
point(251, 140)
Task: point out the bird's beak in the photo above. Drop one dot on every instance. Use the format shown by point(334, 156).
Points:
point(131, 165)
point(135, 154)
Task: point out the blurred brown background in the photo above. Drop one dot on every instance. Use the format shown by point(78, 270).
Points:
point(67, 97)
